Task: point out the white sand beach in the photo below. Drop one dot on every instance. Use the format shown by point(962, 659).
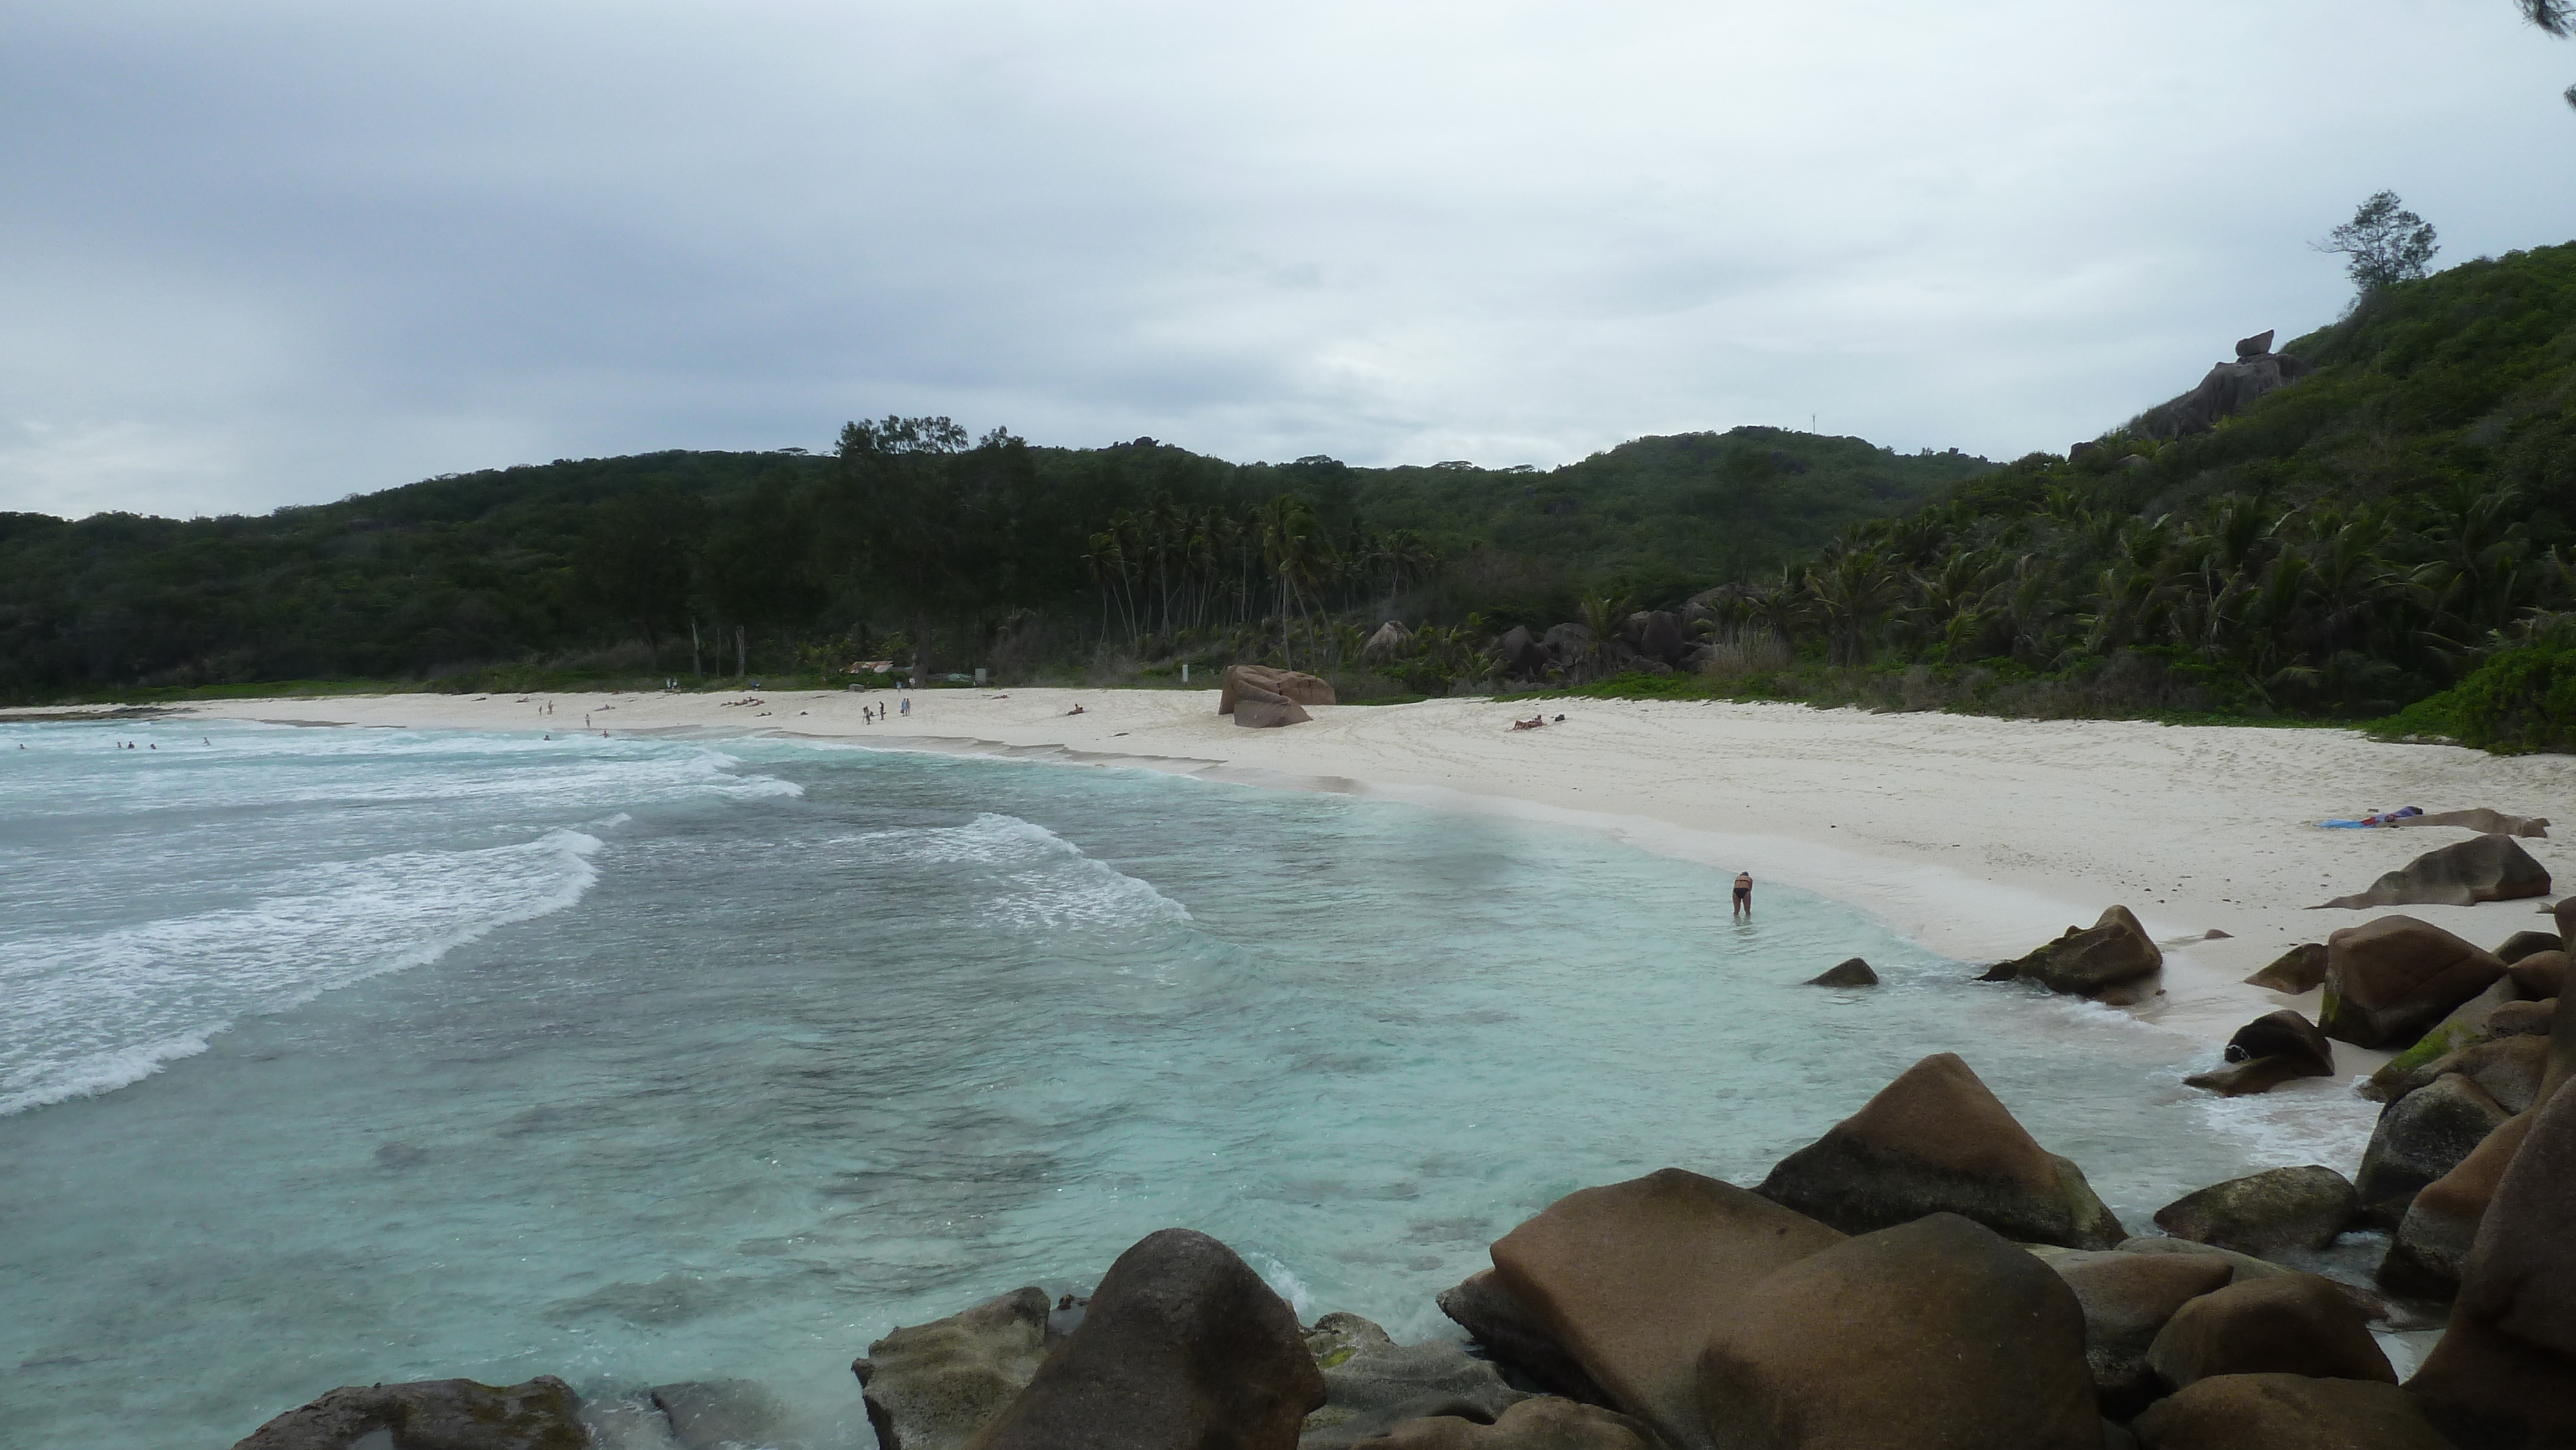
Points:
point(1978, 837)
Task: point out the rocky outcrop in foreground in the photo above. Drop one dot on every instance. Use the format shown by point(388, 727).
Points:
point(1923, 1277)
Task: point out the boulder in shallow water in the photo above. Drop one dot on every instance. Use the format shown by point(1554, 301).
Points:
point(2265, 1213)
point(2126, 1299)
point(1544, 1423)
point(2287, 1412)
point(1631, 1279)
point(1372, 1383)
point(1517, 1339)
point(2282, 1034)
point(2422, 1136)
point(1933, 1141)
point(1853, 973)
point(2502, 1371)
point(714, 1414)
point(542, 1414)
point(2482, 868)
point(2269, 1051)
point(1934, 1335)
point(2287, 1324)
point(2430, 1249)
point(932, 1386)
point(2390, 979)
point(2087, 960)
point(2295, 971)
point(1183, 1347)
point(2242, 1079)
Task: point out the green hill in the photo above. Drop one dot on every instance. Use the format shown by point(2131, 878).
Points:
point(2344, 546)
point(912, 538)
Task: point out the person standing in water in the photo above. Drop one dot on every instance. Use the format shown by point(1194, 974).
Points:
point(1744, 895)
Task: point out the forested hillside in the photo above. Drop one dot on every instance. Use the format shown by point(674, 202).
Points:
point(2344, 546)
point(909, 536)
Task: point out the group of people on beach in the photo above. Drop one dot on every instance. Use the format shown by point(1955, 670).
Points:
point(876, 714)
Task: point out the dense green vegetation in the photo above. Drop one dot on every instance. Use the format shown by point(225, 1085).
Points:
point(2390, 538)
point(2343, 547)
point(909, 539)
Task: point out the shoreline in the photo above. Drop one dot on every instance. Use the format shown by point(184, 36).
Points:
point(1978, 837)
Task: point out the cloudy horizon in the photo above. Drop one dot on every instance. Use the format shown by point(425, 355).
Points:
point(296, 251)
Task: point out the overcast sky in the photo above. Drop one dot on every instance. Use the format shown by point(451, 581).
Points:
point(255, 254)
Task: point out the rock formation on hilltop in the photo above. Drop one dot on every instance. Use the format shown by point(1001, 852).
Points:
point(2228, 387)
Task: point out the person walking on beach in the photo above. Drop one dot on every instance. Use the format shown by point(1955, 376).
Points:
point(1744, 895)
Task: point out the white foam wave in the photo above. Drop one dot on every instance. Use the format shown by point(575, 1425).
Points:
point(1283, 1282)
point(1047, 882)
point(2305, 1120)
point(987, 839)
point(95, 1012)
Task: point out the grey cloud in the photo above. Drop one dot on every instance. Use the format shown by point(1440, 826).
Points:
point(258, 254)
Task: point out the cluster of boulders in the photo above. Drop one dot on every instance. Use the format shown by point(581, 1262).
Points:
point(1924, 1276)
point(1263, 697)
point(1650, 641)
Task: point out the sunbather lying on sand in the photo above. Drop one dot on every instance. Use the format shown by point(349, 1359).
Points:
point(1532, 723)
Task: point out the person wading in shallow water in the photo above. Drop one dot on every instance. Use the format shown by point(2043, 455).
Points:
point(1744, 894)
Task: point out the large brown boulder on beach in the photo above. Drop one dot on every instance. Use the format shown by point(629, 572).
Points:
point(2295, 971)
point(1544, 1423)
point(2481, 868)
point(1936, 1140)
point(542, 1414)
point(1183, 1348)
point(1254, 714)
point(2246, 1268)
point(2510, 1069)
point(2087, 960)
point(1514, 1335)
point(2430, 1249)
point(1632, 1279)
point(1372, 1384)
point(1269, 685)
point(1934, 1335)
point(2127, 1298)
point(2421, 1137)
point(2287, 1324)
point(2504, 1372)
point(2528, 943)
point(932, 1386)
point(2287, 1412)
point(2265, 1213)
point(2387, 980)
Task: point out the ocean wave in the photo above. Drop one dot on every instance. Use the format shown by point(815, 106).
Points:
point(92, 1012)
point(1044, 882)
point(989, 839)
point(2306, 1120)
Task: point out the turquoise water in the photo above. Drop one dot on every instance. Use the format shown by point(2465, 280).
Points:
point(340, 1056)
